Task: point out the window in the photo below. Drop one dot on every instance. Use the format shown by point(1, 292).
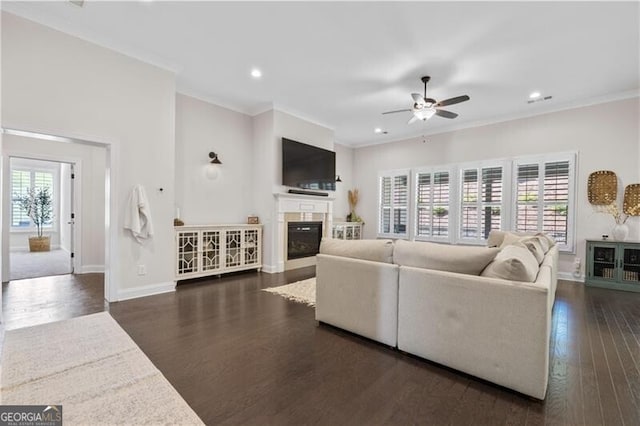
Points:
point(481, 201)
point(394, 201)
point(432, 189)
point(21, 181)
point(463, 203)
point(544, 197)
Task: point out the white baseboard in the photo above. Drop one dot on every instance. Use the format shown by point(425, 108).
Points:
point(89, 269)
point(147, 290)
point(568, 276)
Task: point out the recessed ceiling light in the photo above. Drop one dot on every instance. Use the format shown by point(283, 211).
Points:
point(256, 73)
point(534, 95)
point(377, 130)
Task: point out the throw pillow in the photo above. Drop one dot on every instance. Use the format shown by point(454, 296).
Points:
point(443, 257)
point(514, 263)
point(550, 239)
point(534, 246)
point(511, 238)
point(374, 250)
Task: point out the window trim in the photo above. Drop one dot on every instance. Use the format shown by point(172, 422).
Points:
point(392, 174)
point(541, 160)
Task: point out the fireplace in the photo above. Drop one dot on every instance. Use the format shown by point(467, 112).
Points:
point(303, 239)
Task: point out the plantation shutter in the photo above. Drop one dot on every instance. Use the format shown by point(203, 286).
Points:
point(432, 204)
point(556, 200)
point(394, 202)
point(20, 184)
point(527, 196)
point(491, 208)
point(482, 202)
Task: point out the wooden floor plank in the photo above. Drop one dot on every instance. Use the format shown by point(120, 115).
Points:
point(242, 356)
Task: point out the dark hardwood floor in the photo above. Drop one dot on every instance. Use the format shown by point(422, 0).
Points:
point(242, 356)
point(40, 300)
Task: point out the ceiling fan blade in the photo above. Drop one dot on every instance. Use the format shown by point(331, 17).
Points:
point(398, 110)
point(446, 114)
point(452, 101)
point(417, 98)
point(413, 120)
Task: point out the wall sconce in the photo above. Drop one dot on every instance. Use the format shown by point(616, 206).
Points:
point(338, 179)
point(212, 167)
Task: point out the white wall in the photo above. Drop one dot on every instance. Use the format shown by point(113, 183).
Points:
point(90, 177)
point(344, 169)
point(58, 84)
point(263, 164)
point(605, 136)
point(201, 128)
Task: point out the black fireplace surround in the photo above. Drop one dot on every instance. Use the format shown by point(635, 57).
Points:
point(303, 239)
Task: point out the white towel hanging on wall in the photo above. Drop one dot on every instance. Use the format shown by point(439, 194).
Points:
point(137, 217)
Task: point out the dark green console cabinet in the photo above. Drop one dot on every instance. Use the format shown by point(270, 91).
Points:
point(613, 264)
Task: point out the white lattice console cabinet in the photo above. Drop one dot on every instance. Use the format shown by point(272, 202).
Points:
point(347, 230)
point(203, 250)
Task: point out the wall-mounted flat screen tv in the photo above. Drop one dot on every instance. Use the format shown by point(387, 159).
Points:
point(308, 167)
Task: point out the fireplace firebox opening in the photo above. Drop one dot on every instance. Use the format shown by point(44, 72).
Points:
point(303, 239)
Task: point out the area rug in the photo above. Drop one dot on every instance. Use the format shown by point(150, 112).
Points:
point(26, 264)
point(301, 291)
point(91, 367)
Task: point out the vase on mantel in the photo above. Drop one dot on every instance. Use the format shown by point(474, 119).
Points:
point(620, 232)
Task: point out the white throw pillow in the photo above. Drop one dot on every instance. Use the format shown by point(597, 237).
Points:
point(549, 238)
point(514, 263)
point(374, 250)
point(443, 257)
point(511, 238)
point(534, 246)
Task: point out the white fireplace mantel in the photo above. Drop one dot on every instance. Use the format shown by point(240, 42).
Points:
point(298, 203)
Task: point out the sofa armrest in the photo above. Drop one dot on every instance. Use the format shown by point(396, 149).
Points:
point(494, 329)
point(358, 295)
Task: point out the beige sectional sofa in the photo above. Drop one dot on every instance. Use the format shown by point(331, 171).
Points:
point(448, 304)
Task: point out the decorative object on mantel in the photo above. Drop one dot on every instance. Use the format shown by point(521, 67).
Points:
point(631, 203)
point(178, 222)
point(212, 168)
point(602, 187)
point(353, 201)
point(253, 220)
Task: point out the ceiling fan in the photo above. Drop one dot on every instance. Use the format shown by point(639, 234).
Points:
point(424, 108)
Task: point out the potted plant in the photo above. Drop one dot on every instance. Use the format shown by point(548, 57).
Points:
point(38, 204)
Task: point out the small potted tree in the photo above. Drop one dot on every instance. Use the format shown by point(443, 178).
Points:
point(39, 207)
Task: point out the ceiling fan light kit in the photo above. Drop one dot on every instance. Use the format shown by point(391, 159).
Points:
point(424, 108)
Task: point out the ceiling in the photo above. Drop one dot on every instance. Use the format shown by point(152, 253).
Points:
point(342, 64)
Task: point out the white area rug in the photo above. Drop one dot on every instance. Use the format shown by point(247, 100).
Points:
point(301, 291)
point(91, 366)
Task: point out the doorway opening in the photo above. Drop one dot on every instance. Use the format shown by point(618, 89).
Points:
point(41, 237)
point(92, 234)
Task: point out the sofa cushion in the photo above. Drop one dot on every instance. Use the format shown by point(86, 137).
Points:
point(512, 238)
point(535, 247)
point(514, 263)
point(443, 257)
point(374, 250)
